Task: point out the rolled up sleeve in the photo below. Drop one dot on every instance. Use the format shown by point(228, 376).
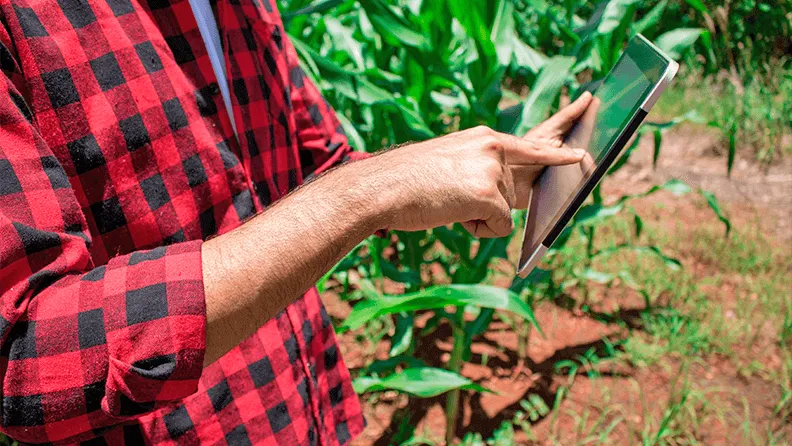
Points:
point(83, 346)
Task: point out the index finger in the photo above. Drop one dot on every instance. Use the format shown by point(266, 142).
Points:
point(529, 152)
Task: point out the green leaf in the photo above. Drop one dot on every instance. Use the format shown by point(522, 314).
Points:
point(638, 222)
point(502, 34)
point(615, 13)
point(403, 275)
point(691, 116)
point(544, 93)
point(675, 186)
point(343, 81)
point(396, 32)
point(715, 206)
point(472, 17)
point(732, 147)
point(626, 155)
point(669, 262)
point(316, 7)
point(651, 18)
point(414, 120)
point(527, 57)
point(594, 213)
point(423, 382)
point(439, 297)
point(458, 242)
point(675, 42)
point(698, 5)
point(353, 135)
point(349, 261)
point(658, 141)
point(597, 276)
point(491, 248)
point(480, 324)
point(450, 102)
point(344, 41)
point(402, 337)
point(678, 188)
point(386, 366)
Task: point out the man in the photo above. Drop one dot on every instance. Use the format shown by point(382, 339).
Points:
point(135, 304)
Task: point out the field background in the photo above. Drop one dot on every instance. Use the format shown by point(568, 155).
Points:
point(664, 316)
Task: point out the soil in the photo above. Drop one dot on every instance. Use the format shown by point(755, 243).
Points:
point(752, 196)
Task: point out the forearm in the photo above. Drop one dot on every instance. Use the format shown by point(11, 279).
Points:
point(253, 272)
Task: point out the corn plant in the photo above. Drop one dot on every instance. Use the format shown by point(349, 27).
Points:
point(402, 70)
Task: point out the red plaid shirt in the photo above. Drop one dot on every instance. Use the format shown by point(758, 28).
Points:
point(117, 158)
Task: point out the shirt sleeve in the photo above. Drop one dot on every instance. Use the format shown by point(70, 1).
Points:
point(82, 347)
point(322, 141)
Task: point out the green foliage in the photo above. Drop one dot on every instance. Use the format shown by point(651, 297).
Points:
point(480, 296)
point(419, 381)
point(401, 70)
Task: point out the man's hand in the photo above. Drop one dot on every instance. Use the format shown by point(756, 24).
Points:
point(471, 177)
point(554, 129)
point(475, 177)
point(552, 132)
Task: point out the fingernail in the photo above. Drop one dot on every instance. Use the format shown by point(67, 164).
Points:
point(579, 152)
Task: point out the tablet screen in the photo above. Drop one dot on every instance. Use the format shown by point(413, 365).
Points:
point(617, 99)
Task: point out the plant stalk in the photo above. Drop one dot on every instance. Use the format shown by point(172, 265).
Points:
point(522, 340)
point(454, 365)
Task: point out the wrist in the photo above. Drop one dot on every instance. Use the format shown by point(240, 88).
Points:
point(369, 191)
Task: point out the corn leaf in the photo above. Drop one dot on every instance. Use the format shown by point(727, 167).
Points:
point(596, 212)
point(715, 206)
point(678, 188)
point(402, 337)
point(658, 141)
point(675, 42)
point(386, 366)
point(527, 57)
point(315, 7)
point(698, 5)
point(544, 93)
point(472, 17)
point(344, 82)
point(651, 18)
point(439, 297)
point(395, 31)
point(424, 382)
point(626, 155)
point(615, 14)
point(669, 261)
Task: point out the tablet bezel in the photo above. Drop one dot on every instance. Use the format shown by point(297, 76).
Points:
point(525, 266)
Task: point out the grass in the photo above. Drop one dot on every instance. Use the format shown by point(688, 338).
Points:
point(709, 362)
point(757, 115)
point(723, 318)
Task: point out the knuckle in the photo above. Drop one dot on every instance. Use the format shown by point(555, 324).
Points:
point(493, 168)
point(482, 130)
point(484, 190)
point(491, 143)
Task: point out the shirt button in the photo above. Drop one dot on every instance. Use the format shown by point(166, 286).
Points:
point(214, 88)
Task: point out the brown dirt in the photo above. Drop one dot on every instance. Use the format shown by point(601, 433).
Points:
point(696, 156)
point(628, 398)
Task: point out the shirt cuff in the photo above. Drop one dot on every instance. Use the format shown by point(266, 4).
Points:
point(155, 323)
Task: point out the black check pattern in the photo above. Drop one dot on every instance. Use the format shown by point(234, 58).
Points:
point(117, 159)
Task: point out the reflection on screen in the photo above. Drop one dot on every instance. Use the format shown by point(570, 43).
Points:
point(620, 94)
point(618, 97)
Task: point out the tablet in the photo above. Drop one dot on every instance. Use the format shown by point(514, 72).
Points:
point(620, 104)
